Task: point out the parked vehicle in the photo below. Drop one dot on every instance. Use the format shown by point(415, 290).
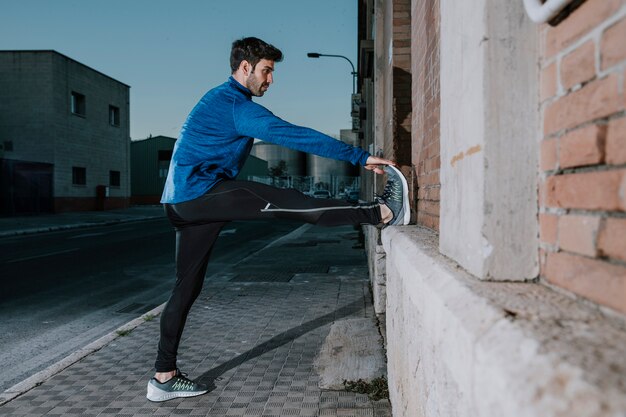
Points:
point(321, 194)
point(352, 196)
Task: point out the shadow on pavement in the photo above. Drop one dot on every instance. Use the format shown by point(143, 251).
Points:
point(279, 340)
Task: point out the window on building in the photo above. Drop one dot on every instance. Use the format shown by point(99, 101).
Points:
point(164, 163)
point(78, 104)
point(79, 176)
point(114, 116)
point(114, 178)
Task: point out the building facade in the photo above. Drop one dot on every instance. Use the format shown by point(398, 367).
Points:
point(507, 296)
point(64, 130)
point(149, 162)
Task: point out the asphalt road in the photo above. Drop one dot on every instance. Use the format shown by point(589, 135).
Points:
point(60, 291)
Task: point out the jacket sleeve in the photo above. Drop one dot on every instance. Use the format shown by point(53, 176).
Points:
point(254, 120)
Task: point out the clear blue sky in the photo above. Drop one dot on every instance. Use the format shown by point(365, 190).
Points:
point(171, 52)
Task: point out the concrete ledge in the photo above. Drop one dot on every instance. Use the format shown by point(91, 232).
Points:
point(351, 351)
point(376, 265)
point(464, 347)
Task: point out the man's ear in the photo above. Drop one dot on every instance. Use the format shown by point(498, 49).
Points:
point(245, 67)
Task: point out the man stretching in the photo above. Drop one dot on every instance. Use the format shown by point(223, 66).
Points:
point(201, 194)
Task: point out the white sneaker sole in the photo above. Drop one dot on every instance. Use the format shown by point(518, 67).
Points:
point(405, 197)
point(158, 395)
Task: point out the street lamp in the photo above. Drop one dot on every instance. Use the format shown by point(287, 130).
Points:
point(354, 73)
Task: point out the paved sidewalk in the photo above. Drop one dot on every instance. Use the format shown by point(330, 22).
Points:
point(253, 335)
point(11, 226)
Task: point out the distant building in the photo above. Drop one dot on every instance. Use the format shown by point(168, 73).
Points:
point(253, 167)
point(150, 161)
point(64, 133)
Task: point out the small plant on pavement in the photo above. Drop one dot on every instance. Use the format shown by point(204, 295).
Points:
point(376, 390)
point(148, 317)
point(123, 333)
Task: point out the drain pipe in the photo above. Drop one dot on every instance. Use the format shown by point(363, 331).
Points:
point(542, 12)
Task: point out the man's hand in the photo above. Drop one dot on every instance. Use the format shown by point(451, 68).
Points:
point(373, 163)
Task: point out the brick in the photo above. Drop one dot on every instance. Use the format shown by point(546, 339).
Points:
point(548, 82)
point(612, 239)
point(548, 226)
point(580, 22)
point(428, 207)
point(588, 191)
point(433, 194)
point(578, 66)
point(428, 220)
point(613, 45)
point(594, 279)
point(583, 146)
point(549, 156)
point(599, 98)
point(578, 234)
point(616, 142)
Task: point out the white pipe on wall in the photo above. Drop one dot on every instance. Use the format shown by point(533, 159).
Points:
point(541, 13)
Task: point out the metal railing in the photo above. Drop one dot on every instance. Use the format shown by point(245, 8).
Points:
point(337, 185)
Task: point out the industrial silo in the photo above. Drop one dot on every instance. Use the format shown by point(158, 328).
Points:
point(335, 176)
point(273, 154)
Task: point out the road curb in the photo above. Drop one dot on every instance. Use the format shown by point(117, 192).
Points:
point(42, 376)
point(36, 230)
point(54, 369)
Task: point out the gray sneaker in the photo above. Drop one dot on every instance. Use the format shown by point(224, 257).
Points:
point(396, 197)
point(177, 387)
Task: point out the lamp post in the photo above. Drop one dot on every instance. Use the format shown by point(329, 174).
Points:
point(354, 73)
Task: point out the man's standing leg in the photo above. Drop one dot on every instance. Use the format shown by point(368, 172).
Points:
point(193, 249)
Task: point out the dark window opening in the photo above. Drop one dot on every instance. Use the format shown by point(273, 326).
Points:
point(165, 155)
point(164, 163)
point(114, 116)
point(78, 106)
point(114, 178)
point(79, 176)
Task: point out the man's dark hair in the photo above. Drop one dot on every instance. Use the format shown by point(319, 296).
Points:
point(252, 50)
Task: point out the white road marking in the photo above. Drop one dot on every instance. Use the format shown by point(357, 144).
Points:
point(228, 232)
point(87, 235)
point(42, 256)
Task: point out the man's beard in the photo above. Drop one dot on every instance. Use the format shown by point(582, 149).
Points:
point(256, 87)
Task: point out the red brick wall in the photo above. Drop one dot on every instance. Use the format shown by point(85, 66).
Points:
point(582, 191)
point(425, 96)
point(397, 79)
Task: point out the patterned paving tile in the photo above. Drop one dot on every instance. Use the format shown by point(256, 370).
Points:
point(254, 341)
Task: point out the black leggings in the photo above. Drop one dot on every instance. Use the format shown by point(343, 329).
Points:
point(198, 223)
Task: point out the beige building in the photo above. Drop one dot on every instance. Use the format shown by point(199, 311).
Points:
point(507, 296)
point(65, 135)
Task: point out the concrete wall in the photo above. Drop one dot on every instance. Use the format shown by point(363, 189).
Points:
point(89, 141)
point(461, 347)
point(36, 116)
point(489, 139)
point(26, 106)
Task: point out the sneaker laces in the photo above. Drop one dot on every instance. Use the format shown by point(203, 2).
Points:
point(390, 190)
point(183, 382)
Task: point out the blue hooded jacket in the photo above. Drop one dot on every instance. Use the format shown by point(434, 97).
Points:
point(218, 135)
